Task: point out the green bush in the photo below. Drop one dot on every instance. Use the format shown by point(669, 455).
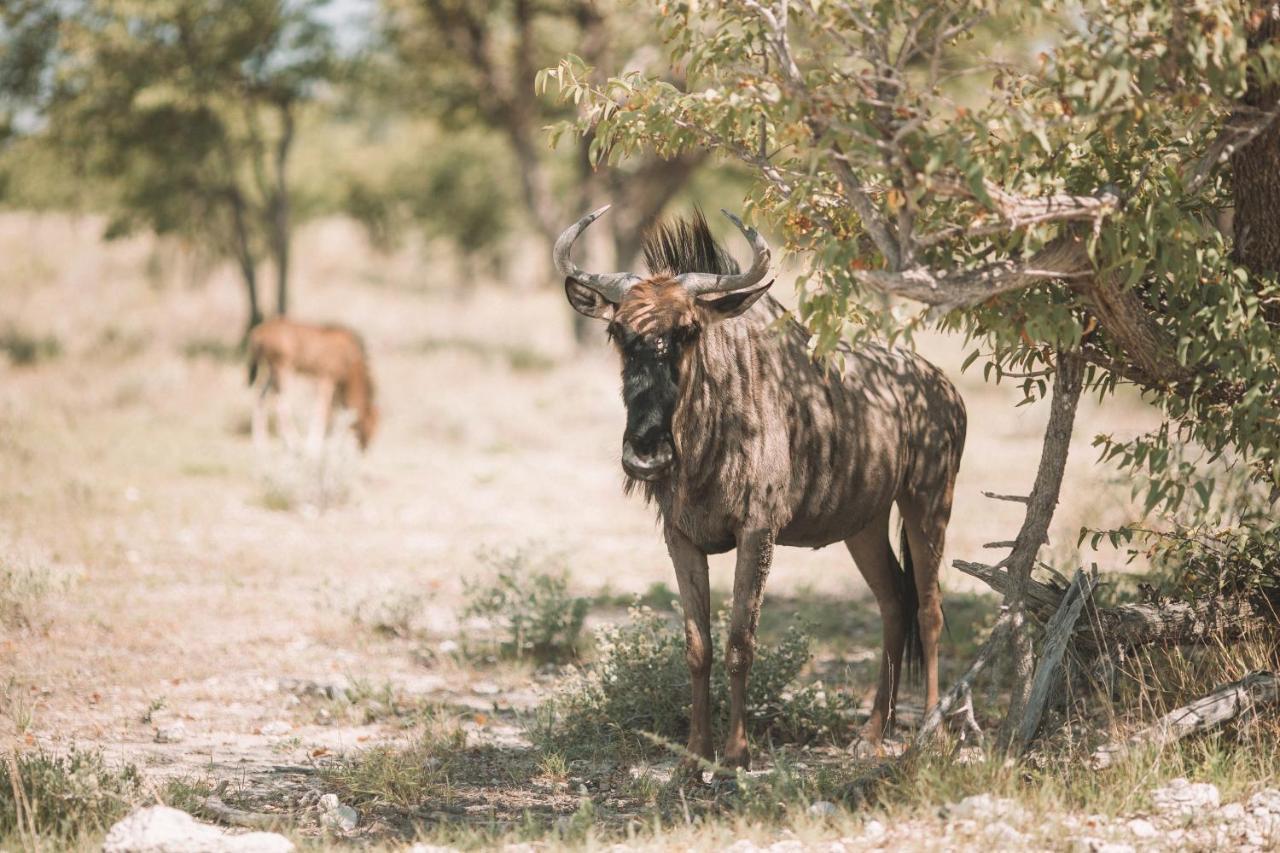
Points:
point(532, 610)
point(64, 796)
point(639, 683)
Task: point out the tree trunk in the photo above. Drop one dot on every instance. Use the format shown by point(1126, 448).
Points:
point(1067, 383)
point(243, 251)
point(1255, 166)
point(280, 225)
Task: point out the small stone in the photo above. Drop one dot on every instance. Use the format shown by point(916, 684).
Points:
point(1097, 845)
point(982, 807)
point(822, 808)
point(1002, 835)
point(485, 688)
point(447, 647)
point(275, 728)
point(174, 732)
point(1143, 828)
point(335, 815)
point(1183, 798)
point(420, 847)
point(1265, 802)
point(1232, 812)
point(873, 830)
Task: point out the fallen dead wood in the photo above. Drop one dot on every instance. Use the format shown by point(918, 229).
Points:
point(1167, 623)
point(1255, 692)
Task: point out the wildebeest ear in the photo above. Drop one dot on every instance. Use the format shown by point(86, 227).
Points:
point(586, 301)
point(724, 306)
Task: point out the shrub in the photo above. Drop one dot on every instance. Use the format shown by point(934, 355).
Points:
point(24, 348)
point(639, 683)
point(533, 610)
point(24, 585)
point(65, 796)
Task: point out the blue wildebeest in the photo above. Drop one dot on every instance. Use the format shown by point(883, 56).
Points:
point(742, 441)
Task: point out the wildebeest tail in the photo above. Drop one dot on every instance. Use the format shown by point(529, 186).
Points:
point(910, 598)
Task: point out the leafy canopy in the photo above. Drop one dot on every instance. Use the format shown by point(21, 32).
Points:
point(1041, 176)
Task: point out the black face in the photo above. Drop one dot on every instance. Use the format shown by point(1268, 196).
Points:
point(650, 389)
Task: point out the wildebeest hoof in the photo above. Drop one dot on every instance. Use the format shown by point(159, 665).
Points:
point(691, 771)
point(867, 749)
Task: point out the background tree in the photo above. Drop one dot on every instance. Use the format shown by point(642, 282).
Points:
point(472, 65)
point(184, 113)
point(1065, 211)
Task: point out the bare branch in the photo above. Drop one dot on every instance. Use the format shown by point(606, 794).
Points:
point(1061, 259)
point(1017, 211)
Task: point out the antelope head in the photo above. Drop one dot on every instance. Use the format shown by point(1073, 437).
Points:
point(655, 321)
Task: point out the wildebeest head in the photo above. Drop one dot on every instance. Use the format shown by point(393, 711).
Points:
point(656, 321)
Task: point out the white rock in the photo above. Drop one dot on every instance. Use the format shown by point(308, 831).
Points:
point(1143, 828)
point(447, 647)
point(1002, 835)
point(984, 807)
point(275, 728)
point(1265, 802)
point(822, 808)
point(1232, 812)
point(160, 829)
point(174, 732)
point(1184, 798)
point(431, 848)
point(873, 830)
point(335, 815)
point(1097, 845)
point(485, 688)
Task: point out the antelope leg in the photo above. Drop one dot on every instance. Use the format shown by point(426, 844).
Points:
point(695, 598)
point(755, 556)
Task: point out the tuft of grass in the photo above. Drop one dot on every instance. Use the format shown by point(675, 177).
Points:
point(214, 349)
point(639, 684)
point(532, 609)
point(403, 776)
point(26, 349)
point(521, 359)
point(397, 616)
point(298, 480)
point(64, 797)
point(25, 583)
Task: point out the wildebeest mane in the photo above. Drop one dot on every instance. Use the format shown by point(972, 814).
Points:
point(679, 246)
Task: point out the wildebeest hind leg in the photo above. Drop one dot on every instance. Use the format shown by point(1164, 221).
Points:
point(755, 557)
point(872, 553)
point(695, 598)
point(925, 519)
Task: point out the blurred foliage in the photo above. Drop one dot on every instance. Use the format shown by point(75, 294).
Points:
point(882, 164)
point(532, 609)
point(182, 113)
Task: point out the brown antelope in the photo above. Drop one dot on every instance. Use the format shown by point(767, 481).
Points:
point(333, 356)
point(742, 441)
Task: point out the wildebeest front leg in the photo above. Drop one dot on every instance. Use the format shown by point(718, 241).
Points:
point(755, 556)
point(695, 598)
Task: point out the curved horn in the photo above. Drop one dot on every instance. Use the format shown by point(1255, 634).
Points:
point(611, 285)
point(702, 282)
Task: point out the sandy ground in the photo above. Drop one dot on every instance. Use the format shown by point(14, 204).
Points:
point(125, 469)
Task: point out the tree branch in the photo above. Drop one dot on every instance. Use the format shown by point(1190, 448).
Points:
point(949, 289)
